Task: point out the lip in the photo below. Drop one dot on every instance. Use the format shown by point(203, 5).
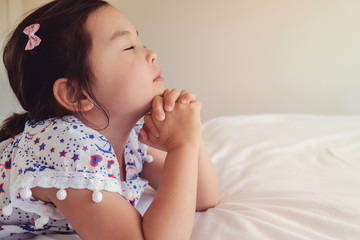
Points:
point(159, 77)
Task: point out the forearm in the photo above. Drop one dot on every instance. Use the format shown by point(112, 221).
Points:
point(172, 211)
point(208, 186)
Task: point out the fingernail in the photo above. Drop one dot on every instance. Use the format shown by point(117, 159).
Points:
point(161, 116)
point(184, 101)
point(169, 107)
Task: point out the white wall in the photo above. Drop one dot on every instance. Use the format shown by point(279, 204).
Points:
point(8, 102)
point(255, 56)
point(11, 12)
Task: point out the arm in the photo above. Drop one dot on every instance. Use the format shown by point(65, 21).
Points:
point(171, 213)
point(208, 186)
point(207, 189)
point(112, 218)
point(175, 200)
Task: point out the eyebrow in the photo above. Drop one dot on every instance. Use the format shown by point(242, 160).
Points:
point(119, 34)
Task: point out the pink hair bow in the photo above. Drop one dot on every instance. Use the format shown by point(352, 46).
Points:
point(33, 39)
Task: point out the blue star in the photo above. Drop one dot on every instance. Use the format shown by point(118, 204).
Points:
point(37, 140)
point(75, 157)
point(42, 146)
point(63, 153)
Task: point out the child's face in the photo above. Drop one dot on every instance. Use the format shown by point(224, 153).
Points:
point(126, 74)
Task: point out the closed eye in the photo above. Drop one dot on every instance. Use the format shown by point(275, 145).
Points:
point(132, 47)
point(129, 48)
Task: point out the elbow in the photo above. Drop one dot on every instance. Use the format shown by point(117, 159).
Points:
point(205, 207)
point(205, 204)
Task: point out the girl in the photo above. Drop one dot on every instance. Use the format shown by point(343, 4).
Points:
point(73, 159)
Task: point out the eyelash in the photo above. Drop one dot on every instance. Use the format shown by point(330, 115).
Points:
point(132, 47)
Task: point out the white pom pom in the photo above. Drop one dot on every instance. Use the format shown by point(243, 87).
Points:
point(7, 210)
point(61, 194)
point(97, 196)
point(149, 158)
point(41, 221)
point(44, 219)
point(129, 195)
point(38, 224)
point(25, 193)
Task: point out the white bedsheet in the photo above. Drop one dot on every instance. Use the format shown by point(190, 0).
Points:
point(282, 177)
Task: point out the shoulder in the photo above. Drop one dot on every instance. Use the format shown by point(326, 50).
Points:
point(62, 153)
point(64, 145)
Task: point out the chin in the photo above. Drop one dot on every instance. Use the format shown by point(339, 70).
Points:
point(161, 91)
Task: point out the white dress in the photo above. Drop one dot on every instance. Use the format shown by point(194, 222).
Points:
point(61, 153)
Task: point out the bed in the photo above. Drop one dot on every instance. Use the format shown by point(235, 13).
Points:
point(281, 177)
point(284, 177)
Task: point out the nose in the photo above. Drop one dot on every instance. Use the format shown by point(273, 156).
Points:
point(151, 56)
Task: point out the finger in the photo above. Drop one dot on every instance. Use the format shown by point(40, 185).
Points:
point(187, 97)
point(147, 138)
point(143, 136)
point(158, 108)
point(170, 97)
point(198, 104)
point(150, 126)
point(166, 91)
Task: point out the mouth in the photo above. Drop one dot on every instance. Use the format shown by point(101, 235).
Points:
point(159, 77)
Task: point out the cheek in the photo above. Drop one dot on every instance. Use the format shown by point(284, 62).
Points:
point(136, 70)
point(125, 85)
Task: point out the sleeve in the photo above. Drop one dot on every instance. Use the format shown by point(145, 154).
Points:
point(61, 154)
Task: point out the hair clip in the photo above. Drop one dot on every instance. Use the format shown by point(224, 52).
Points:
point(33, 39)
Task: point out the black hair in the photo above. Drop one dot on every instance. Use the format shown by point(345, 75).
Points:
point(62, 53)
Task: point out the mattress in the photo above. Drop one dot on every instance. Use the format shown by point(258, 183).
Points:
point(284, 177)
point(281, 177)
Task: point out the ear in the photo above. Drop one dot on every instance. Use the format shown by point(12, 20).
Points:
point(65, 94)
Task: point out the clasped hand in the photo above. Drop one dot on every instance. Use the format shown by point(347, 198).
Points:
point(174, 120)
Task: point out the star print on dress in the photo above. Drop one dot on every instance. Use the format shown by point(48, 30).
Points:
point(62, 153)
point(42, 146)
point(75, 157)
